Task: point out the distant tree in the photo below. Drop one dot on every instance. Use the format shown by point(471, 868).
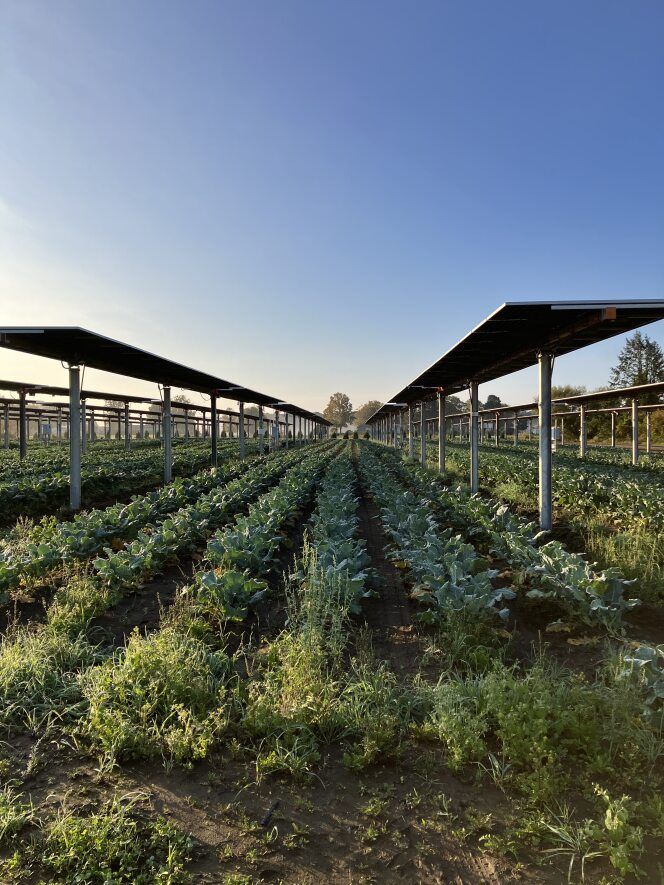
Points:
point(366, 411)
point(339, 410)
point(453, 404)
point(641, 361)
point(493, 402)
point(181, 398)
point(559, 391)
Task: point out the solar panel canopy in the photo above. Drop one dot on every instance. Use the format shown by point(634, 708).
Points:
point(76, 346)
point(511, 338)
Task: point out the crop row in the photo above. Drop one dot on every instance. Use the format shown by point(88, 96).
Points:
point(333, 533)
point(117, 475)
point(627, 500)
point(544, 567)
point(39, 669)
point(51, 543)
point(448, 572)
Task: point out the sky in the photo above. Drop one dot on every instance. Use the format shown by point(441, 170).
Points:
point(311, 196)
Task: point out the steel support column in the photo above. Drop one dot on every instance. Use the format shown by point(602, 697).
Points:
point(474, 452)
point(613, 430)
point(214, 454)
point(127, 427)
point(411, 432)
point(84, 427)
point(423, 437)
point(166, 431)
point(648, 434)
point(545, 499)
point(241, 430)
point(75, 412)
point(261, 430)
point(497, 419)
point(441, 432)
point(583, 437)
point(6, 427)
point(635, 432)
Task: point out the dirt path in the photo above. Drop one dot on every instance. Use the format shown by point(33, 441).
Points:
point(389, 615)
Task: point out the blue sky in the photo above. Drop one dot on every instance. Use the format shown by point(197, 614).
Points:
point(308, 196)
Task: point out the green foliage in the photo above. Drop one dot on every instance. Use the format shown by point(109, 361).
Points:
point(77, 602)
point(641, 361)
point(645, 665)
point(339, 410)
point(116, 844)
point(448, 573)
point(165, 695)
point(41, 483)
point(39, 677)
point(375, 711)
point(550, 729)
point(15, 813)
point(366, 411)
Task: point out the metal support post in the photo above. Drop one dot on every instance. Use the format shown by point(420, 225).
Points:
point(75, 437)
point(423, 437)
point(474, 453)
point(441, 431)
point(411, 433)
point(6, 427)
point(648, 434)
point(497, 419)
point(215, 429)
point(635, 432)
point(261, 430)
point(84, 427)
point(545, 499)
point(127, 428)
point(166, 434)
point(583, 439)
point(241, 429)
point(613, 430)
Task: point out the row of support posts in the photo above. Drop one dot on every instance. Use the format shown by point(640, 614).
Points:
point(545, 366)
point(301, 428)
point(78, 431)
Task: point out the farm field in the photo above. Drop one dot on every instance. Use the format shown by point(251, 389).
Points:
point(605, 506)
point(325, 664)
point(40, 484)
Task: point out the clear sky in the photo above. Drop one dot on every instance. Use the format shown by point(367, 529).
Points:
point(308, 196)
